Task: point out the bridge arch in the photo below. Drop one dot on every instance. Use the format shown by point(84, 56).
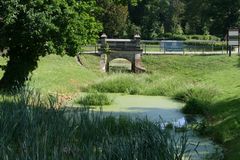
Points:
point(120, 64)
point(128, 49)
point(128, 56)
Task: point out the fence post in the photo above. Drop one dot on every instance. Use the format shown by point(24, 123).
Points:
point(96, 48)
point(145, 48)
point(183, 51)
point(164, 51)
point(222, 48)
point(203, 48)
point(159, 46)
point(212, 47)
point(195, 47)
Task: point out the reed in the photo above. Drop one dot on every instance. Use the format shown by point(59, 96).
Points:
point(37, 130)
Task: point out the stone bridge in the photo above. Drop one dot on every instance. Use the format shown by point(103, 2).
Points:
point(128, 49)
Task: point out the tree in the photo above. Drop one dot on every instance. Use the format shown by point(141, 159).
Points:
point(114, 17)
point(223, 14)
point(158, 17)
point(174, 16)
point(154, 18)
point(34, 28)
point(197, 20)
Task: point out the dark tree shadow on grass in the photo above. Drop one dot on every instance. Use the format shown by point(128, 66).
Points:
point(238, 64)
point(227, 129)
point(226, 122)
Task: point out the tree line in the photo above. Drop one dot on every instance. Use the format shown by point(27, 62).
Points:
point(153, 19)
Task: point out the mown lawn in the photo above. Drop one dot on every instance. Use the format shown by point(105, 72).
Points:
point(215, 77)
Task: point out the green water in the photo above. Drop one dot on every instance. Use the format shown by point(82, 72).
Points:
point(153, 107)
point(164, 109)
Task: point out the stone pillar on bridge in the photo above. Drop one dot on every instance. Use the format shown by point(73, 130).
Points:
point(137, 39)
point(103, 59)
point(137, 62)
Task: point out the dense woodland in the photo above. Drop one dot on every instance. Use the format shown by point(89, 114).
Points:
point(155, 19)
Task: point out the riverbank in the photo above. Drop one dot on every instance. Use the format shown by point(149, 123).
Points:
point(209, 82)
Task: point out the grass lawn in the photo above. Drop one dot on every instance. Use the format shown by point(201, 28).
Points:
point(64, 75)
point(216, 78)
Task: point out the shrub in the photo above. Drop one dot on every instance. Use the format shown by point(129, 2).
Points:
point(189, 37)
point(206, 45)
point(174, 36)
point(95, 99)
point(198, 99)
point(203, 37)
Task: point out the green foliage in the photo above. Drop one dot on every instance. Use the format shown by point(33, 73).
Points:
point(178, 30)
point(174, 36)
point(206, 45)
point(114, 18)
point(157, 10)
point(95, 99)
point(132, 30)
point(177, 16)
point(36, 28)
point(198, 99)
point(118, 84)
point(192, 16)
point(126, 2)
point(187, 29)
point(35, 129)
point(164, 86)
point(189, 37)
point(203, 37)
point(221, 18)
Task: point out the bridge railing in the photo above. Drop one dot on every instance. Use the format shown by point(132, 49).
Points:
point(122, 44)
point(183, 47)
point(165, 46)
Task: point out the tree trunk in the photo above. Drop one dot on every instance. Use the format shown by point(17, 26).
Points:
point(19, 66)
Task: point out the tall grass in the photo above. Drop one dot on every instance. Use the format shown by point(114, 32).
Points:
point(146, 84)
point(161, 86)
point(198, 99)
point(118, 83)
point(95, 99)
point(36, 130)
point(197, 96)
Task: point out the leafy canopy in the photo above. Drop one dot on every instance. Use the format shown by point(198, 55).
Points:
point(59, 26)
point(33, 28)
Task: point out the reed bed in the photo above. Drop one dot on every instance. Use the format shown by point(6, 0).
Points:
point(35, 129)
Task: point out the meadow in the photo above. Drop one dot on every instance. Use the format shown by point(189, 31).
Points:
point(209, 85)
